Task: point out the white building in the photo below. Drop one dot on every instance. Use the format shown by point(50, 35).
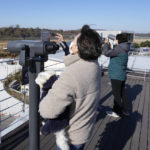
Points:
point(105, 33)
point(112, 34)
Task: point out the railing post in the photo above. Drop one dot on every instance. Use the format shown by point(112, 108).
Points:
point(24, 99)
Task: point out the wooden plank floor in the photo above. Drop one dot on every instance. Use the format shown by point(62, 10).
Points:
point(126, 133)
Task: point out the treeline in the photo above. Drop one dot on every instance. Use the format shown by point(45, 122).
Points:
point(6, 54)
point(142, 44)
point(15, 32)
point(143, 34)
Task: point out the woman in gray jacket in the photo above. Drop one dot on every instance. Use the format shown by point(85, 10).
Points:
point(77, 87)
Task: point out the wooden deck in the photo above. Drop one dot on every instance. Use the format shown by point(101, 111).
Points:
point(127, 133)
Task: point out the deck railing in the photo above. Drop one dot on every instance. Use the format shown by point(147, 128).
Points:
point(15, 112)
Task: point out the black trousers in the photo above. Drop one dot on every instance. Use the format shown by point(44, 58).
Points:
point(120, 98)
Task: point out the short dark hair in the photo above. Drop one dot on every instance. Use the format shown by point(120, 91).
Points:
point(123, 37)
point(89, 44)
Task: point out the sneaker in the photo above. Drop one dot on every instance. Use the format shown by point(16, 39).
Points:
point(112, 114)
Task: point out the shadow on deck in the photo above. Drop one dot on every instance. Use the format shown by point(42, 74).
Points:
point(126, 133)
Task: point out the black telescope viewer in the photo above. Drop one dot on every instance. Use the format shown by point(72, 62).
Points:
point(33, 54)
point(32, 49)
point(37, 47)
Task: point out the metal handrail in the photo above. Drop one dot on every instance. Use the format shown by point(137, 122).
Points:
point(10, 106)
point(143, 72)
point(13, 122)
point(20, 102)
point(10, 116)
point(6, 99)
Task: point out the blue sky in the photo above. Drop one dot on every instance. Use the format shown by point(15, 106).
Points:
point(131, 15)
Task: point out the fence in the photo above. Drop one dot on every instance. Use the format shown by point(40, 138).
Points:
point(14, 112)
point(139, 73)
point(139, 53)
point(10, 108)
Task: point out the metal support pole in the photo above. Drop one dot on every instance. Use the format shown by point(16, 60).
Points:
point(34, 98)
point(24, 99)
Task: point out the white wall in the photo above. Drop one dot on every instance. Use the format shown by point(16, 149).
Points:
point(105, 33)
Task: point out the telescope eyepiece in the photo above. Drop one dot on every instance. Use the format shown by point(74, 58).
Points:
point(51, 47)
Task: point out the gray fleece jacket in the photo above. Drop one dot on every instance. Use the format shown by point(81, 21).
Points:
point(78, 86)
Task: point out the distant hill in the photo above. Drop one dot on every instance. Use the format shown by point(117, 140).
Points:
point(18, 33)
point(143, 34)
point(15, 32)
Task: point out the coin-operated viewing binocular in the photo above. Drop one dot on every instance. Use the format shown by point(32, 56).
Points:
point(29, 49)
point(33, 54)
